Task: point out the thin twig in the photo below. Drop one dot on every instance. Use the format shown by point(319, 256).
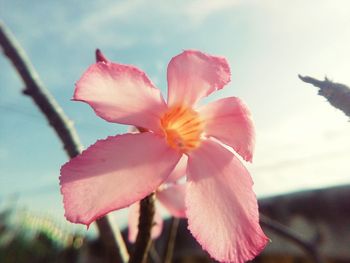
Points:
point(56, 118)
point(153, 254)
point(146, 222)
point(285, 232)
point(169, 249)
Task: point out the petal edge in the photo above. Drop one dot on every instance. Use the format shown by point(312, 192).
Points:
point(122, 94)
point(229, 120)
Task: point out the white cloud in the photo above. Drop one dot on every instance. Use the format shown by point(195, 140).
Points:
point(102, 15)
point(198, 11)
point(135, 21)
point(134, 11)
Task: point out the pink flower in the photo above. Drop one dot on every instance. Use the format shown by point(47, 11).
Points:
point(221, 206)
point(170, 195)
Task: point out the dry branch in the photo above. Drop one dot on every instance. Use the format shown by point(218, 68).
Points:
point(143, 239)
point(309, 247)
point(170, 244)
point(56, 118)
point(338, 95)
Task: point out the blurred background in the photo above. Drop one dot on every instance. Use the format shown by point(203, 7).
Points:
point(302, 142)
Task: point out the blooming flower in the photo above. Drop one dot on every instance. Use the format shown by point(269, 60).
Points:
point(221, 206)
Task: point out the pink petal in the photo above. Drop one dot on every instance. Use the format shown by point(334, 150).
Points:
point(133, 222)
point(193, 75)
point(222, 208)
point(179, 171)
point(122, 94)
point(114, 173)
point(229, 121)
point(173, 199)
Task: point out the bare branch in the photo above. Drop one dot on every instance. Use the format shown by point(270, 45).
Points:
point(146, 222)
point(41, 96)
point(285, 232)
point(338, 95)
point(56, 118)
point(169, 249)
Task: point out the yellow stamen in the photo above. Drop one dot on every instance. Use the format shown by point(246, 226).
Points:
point(183, 128)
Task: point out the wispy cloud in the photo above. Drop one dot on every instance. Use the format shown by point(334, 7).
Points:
point(136, 21)
point(198, 11)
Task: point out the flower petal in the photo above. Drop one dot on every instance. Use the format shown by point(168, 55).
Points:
point(133, 222)
point(179, 171)
point(229, 121)
point(193, 75)
point(121, 93)
point(222, 208)
point(114, 173)
point(173, 199)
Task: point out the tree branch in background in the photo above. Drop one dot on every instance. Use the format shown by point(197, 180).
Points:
point(58, 121)
point(338, 95)
point(146, 222)
point(285, 232)
point(170, 244)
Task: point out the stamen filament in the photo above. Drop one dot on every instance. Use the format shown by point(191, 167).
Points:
point(182, 127)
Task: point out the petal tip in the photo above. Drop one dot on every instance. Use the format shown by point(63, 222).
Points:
point(193, 75)
point(248, 157)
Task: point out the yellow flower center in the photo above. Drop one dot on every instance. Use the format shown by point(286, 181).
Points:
point(183, 128)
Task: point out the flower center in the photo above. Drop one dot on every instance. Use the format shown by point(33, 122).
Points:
point(183, 128)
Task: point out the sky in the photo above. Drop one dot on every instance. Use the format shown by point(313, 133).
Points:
point(302, 142)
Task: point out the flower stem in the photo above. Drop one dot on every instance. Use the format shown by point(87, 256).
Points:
point(146, 222)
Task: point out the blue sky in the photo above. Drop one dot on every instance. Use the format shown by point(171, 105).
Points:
point(302, 142)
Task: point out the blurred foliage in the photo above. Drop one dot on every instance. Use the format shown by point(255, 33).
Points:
point(25, 237)
point(29, 238)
